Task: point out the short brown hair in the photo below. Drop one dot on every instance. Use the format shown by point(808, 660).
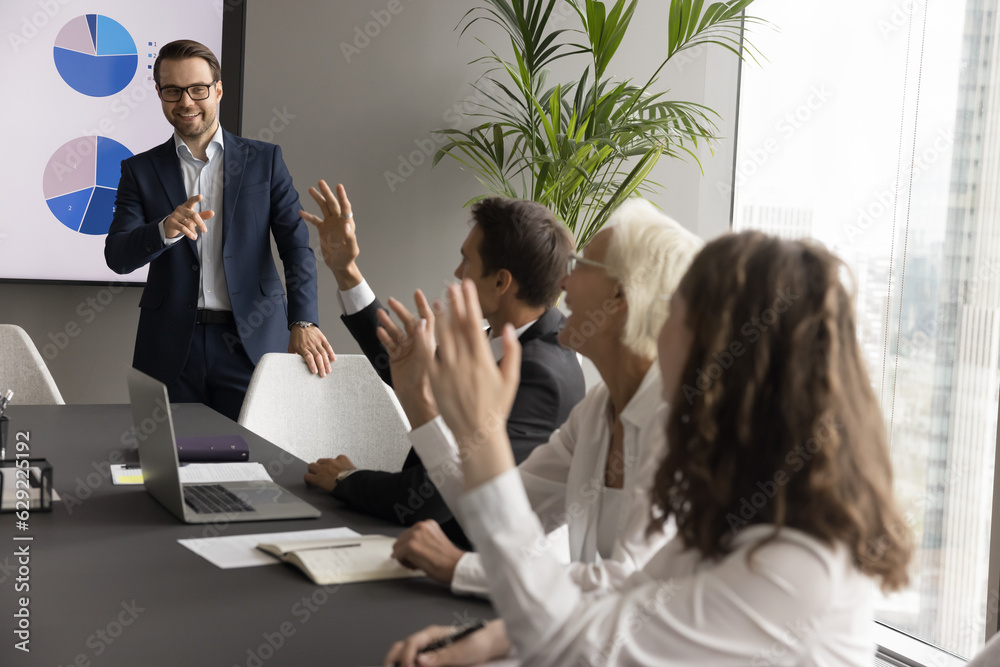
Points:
point(775, 410)
point(182, 49)
point(525, 238)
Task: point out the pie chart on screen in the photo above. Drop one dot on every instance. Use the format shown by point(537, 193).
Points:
point(81, 182)
point(95, 55)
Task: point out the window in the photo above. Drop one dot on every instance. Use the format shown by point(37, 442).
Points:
point(872, 128)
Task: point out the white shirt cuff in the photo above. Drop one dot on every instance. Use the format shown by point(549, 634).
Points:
point(435, 444)
point(356, 299)
point(163, 236)
point(470, 577)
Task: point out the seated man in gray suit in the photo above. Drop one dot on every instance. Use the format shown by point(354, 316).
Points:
point(516, 253)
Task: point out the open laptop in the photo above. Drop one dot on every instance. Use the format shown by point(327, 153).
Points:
point(198, 503)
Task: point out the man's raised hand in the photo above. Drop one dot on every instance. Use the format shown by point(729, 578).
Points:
point(337, 233)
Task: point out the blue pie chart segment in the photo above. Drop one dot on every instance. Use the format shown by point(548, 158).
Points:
point(70, 209)
point(110, 154)
point(95, 55)
point(81, 183)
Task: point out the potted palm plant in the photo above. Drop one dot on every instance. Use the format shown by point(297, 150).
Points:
point(582, 147)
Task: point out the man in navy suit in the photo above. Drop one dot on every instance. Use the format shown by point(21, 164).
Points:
point(516, 254)
point(201, 209)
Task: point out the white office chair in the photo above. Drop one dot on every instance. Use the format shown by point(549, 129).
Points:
point(350, 411)
point(23, 370)
point(989, 656)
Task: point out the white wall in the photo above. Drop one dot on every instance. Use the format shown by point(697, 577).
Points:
point(351, 122)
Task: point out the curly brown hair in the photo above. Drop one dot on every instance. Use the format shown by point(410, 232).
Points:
point(775, 421)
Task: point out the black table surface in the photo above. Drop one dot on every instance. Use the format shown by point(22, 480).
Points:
point(108, 584)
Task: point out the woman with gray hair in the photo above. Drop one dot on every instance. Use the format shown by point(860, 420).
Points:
point(594, 474)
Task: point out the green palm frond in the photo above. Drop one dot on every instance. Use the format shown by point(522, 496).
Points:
point(583, 147)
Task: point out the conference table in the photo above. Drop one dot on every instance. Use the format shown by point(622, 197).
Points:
point(108, 583)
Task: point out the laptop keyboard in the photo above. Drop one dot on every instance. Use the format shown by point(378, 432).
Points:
point(213, 499)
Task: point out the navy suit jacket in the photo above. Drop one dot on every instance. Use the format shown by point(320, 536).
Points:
point(259, 201)
point(551, 385)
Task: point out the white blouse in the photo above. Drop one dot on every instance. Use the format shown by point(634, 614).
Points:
point(564, 480)
point(798, 602)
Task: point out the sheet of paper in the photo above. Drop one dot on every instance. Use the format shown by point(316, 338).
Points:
point(235, 551)
point(240, 471)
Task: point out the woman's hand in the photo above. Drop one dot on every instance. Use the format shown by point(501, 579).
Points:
point(487, 644)
point(472, 391)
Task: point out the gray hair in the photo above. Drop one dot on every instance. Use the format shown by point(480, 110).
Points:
point(649, 252)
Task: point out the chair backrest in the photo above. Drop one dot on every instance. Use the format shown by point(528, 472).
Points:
point(989, 656)
point(23, 370)
point(350, 411)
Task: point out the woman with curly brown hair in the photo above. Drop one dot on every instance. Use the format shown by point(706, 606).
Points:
point(777, 475)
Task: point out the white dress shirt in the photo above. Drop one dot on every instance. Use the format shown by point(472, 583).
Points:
point(355, 299)
point(798, 602)
point(564, 480)
point(206, 178)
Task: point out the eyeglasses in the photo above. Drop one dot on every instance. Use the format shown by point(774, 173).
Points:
point(575, 259)
point(197, 92)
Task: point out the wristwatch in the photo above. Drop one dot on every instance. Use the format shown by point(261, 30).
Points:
point(302, 323)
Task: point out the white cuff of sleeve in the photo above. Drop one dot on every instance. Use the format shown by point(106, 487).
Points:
point(435, 444)
point(163, 235)
point(470, 577)
point(356, 299)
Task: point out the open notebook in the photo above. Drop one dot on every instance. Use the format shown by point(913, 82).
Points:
point(342, 560)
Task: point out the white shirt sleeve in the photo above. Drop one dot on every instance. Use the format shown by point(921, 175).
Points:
point(544, 472)
point(544, 475)
point(799, 602)
point(435, 445)
point(356, 299)
point(469, 577)
point(163, 235)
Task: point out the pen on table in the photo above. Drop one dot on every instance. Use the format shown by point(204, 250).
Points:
point(332, 546)
point(459, 634)
point(4, 400)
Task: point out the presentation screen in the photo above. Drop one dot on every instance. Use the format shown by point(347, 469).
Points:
point(80, 98)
